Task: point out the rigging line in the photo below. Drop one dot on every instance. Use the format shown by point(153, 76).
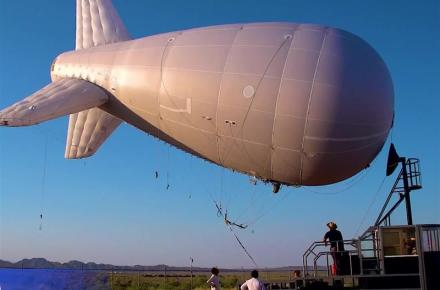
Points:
point(217, 124)
point(186, 115)
point(250, 204)
point(241, 226)
point(162, 82)
point(43, 181)
point(2, 186)
point(260, 80)
point(219, 209)
point(230, 223)
point(161, 73)
point(221, 193)
point(229, 193)
point(240, 133)
point(224, 215)
point(213, 191)
point(373, 201)
point(367, 145)
point(309, 102)
point(250, 217)
point(354, 181)
point(168, 167)
point(225, 198)
point(45, 131)
point(229, 148)
point(214, 200)
point(286, 38)
point(266, 212)
point(243, 247)
point(349, 185)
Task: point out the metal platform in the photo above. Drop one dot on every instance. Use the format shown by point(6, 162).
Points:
point(384, 256)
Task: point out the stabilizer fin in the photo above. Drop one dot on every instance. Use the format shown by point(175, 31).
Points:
point(87, 131)
point(97, 23)
point(62, 97)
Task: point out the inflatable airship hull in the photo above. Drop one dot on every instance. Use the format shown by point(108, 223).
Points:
point(296, 104)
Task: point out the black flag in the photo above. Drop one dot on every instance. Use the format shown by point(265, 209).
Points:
point(393, 160)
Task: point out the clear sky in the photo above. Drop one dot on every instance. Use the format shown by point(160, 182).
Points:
point(110, 208)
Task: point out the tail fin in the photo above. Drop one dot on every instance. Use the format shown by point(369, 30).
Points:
point(87, 131)
point(97, 23)
point(57, 99)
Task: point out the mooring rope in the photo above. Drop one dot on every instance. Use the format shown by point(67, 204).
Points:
point(243, 247)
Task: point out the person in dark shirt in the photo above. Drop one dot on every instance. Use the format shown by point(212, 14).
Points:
point(336, 246)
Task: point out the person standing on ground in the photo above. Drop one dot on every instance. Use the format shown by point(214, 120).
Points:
point(336, 246)
point(253, 283)
point(214, 280)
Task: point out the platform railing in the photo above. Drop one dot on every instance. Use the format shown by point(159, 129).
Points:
point(315, 251)
point(354, 248)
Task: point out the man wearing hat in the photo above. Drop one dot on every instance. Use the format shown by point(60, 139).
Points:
point(336, 245)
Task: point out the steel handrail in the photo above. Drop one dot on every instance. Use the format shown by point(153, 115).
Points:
point(315, 244)
point(320, 254)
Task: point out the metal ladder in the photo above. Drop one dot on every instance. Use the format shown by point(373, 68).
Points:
point(408, 179)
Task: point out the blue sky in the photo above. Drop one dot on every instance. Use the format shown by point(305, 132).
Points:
point(110, 208)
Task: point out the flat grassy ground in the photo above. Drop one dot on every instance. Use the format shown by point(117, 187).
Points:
point(182, 281)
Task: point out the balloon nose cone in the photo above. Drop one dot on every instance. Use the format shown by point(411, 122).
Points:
point(350, 109)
